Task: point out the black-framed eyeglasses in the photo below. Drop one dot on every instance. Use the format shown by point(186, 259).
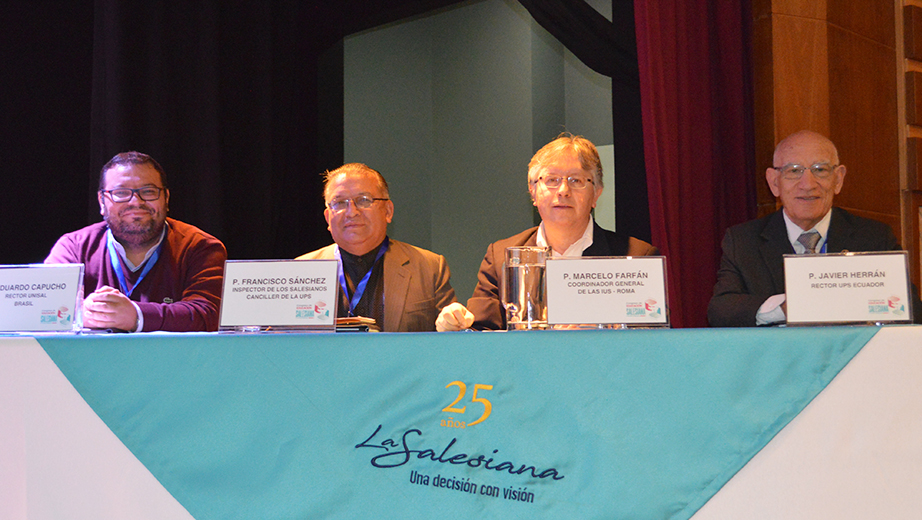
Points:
point(147, 193)
point(793, 172)
point(575, 183)
point(361, 202)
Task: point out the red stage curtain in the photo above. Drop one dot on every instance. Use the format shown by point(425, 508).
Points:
point(696, 99)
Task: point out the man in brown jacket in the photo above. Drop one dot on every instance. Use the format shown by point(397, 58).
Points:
point(565, 182)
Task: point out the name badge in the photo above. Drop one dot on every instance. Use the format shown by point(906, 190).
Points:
point(628, 291)
point(847, 288)
point(41, 297)
point(279, 295)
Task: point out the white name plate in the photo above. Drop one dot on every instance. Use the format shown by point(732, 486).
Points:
point(41, 297)
point(606, 291)
point(295, 294)
point(847, 288)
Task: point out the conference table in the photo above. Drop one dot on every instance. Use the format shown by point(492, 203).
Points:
point(797, 422)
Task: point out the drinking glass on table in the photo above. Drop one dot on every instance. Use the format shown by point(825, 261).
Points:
point(522, 288)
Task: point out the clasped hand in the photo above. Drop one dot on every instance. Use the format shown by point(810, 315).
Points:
point(108, 308)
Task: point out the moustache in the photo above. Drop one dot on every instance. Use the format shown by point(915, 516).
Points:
point(144, 208)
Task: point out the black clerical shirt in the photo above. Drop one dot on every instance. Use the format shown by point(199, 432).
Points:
point(371, 305)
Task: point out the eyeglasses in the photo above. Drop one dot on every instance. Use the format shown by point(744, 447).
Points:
point(793, 172)
point(361, 202)
point(575, 183)
point(147, 193)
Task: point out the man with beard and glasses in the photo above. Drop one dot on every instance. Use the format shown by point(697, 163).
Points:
point(143, 271)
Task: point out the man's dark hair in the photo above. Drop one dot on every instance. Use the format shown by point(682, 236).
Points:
point(126, 158)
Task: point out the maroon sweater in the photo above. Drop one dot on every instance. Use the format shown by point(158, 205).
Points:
point(181, 293)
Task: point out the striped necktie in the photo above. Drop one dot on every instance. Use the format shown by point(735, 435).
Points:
point(809, 240)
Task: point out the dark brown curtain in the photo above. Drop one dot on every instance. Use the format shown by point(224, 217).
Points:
point(698, 136)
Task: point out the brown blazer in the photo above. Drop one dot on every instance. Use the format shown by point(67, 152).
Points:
point(416, 286)
point(485, 303)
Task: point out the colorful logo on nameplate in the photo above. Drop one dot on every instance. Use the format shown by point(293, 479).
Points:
point(648, 308)
point(895, 306)
point(62, 316)
point(892, 305)
point(312, 311)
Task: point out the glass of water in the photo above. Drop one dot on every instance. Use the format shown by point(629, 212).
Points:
point(522, 288)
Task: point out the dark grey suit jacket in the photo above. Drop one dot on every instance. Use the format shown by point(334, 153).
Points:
point(752, 266)
point(485, 303)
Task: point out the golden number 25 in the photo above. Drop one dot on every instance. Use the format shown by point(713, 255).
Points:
point(462, 389)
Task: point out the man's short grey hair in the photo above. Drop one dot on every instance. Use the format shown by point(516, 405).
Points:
point(582, 147)
point(353, 169)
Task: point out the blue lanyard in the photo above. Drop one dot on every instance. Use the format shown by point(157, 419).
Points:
point(360, 288)
point(116, 265)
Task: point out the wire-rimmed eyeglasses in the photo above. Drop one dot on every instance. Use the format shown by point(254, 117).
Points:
point(793, 172)
point(361, 202)
point(555, 181)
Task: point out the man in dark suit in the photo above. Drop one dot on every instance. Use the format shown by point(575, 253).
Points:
point(805, 175)
point(403, 287)
point(565, 182)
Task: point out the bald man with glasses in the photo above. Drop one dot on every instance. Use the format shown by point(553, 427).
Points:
point(143, 271)
point(402, 287)
point(805, 175)
point(565, 182)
